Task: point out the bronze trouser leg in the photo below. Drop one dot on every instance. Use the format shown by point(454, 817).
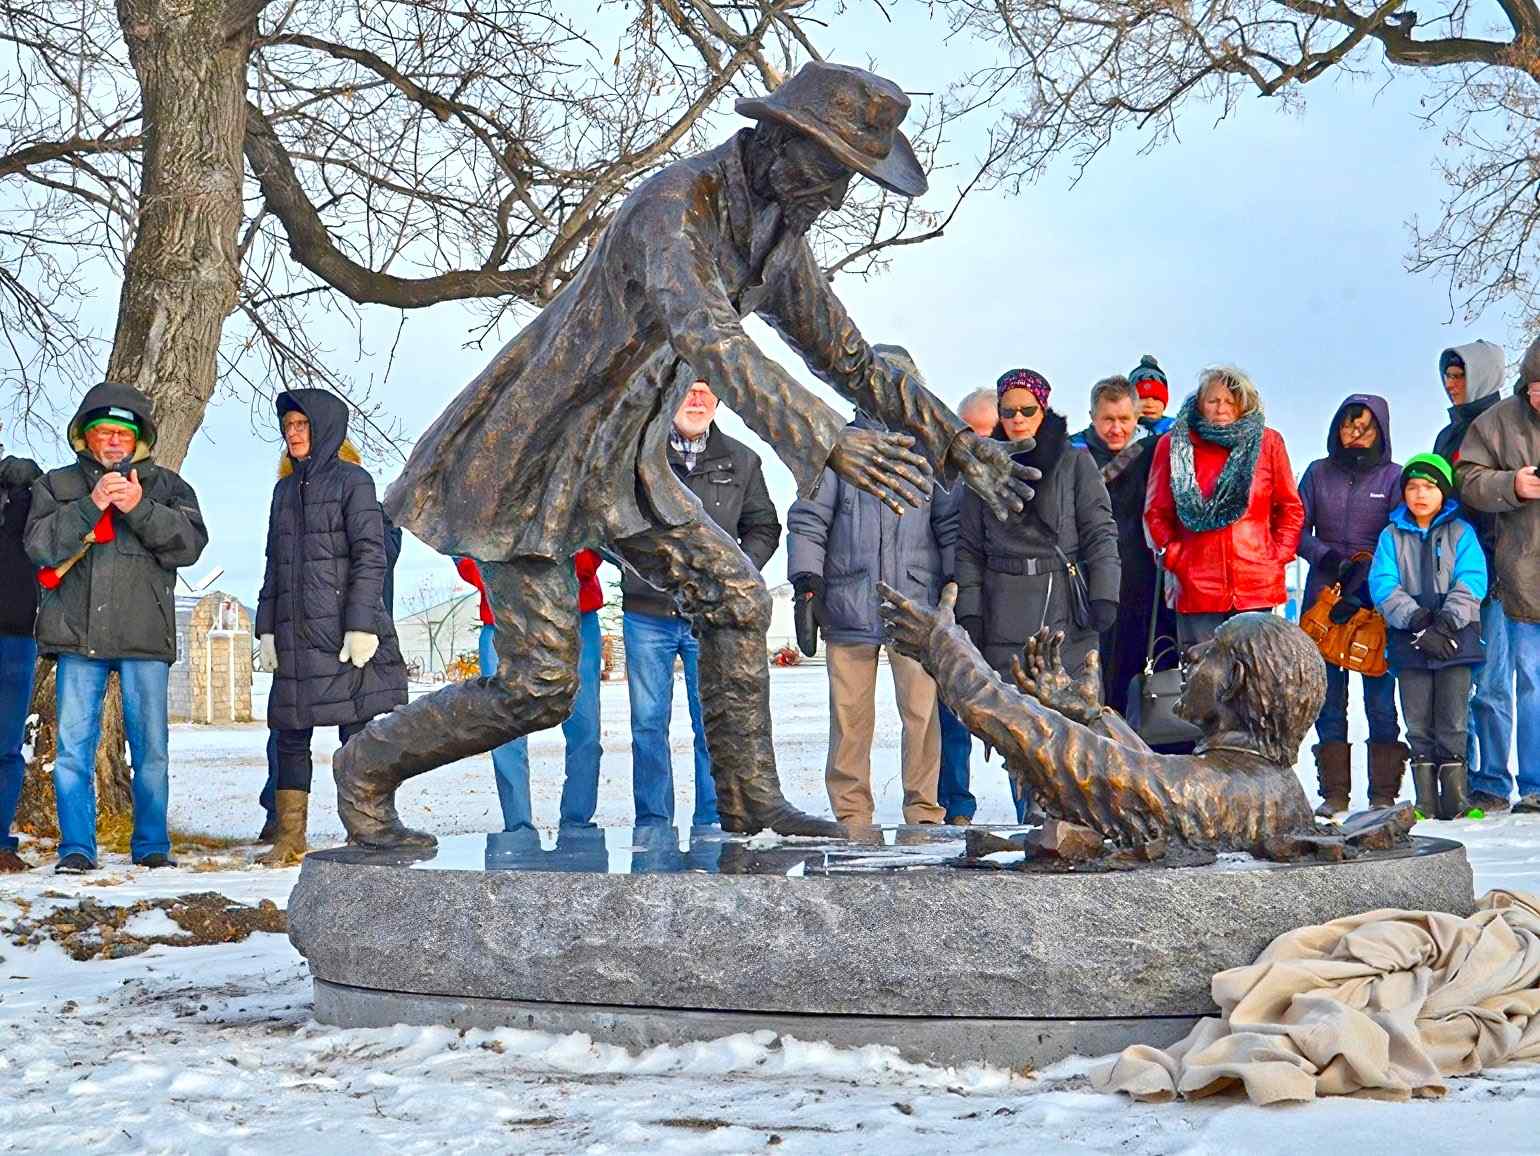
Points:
point(723, 595)
point(535, 604)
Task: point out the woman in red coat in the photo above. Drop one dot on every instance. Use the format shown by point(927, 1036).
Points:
point(1222, 506)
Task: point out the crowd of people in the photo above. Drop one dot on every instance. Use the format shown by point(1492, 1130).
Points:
point(1148, 530)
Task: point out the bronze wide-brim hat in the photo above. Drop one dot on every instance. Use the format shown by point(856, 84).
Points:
point(854, 114)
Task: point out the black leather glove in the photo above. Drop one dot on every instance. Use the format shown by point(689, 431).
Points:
point(1104, 612)
point(1353, 573)
point(1420, 620)
point(807, 610)
point(1437, 645)
point(1332, 562)
point(1445, 622)
point(1344, 609)
point(975, 629)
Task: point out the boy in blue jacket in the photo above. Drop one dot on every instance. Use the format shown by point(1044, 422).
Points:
point(1427, 580)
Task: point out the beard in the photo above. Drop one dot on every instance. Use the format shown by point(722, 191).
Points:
point(800, 216)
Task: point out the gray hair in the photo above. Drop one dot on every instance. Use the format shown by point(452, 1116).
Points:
point(1112, 390)
point(1237, 381)
point(977, 398)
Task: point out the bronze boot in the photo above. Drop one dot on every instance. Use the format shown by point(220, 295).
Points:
point(1425, 783)
point(1333, 768)
point(1387, 765)
point(289, 845)
point(1453, 794)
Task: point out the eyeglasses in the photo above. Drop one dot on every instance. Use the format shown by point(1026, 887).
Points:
point(1009, 411)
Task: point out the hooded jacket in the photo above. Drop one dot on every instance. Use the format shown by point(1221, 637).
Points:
point(1499, 443)
point(118, 601)
point(1347, 501)
point(1008, 574)
point(1483, 361)
point(18, 586)
point(325, 576)
point(852, 540)
point(1460, 571)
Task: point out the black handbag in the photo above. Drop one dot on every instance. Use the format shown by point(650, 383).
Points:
point(1079, 593)
point(1153, 694)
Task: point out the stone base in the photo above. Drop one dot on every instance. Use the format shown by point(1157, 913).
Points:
point(952, 1041)
point(649, 936)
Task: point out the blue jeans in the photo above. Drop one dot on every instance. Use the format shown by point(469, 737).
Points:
point(1331, 724)
point(652, 643)
point(18, 662)
point(956, 750)
point(1489, 736)
point(510, 762)
point(1524, 647)
point(82, 684)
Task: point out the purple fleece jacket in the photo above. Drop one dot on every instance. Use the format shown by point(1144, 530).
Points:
point(1346, 505)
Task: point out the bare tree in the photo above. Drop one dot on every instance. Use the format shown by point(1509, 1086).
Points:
point(250, 169)
point(1073, 73)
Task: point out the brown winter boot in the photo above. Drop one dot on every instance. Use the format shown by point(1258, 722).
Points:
point(289, 844)
point(1334, 771)
point(1387, 765)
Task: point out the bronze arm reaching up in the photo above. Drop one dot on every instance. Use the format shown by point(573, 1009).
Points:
point(1253, 690)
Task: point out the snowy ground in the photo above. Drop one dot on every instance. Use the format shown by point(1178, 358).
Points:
point(212, 1049)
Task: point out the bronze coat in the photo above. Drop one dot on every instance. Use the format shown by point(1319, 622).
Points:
point(561, 441)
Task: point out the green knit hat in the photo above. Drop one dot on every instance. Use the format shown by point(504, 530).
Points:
point(1431, 468)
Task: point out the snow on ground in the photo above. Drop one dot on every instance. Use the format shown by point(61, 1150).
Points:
point(212, 1049)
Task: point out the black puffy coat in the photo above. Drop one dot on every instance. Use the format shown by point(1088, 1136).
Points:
point(1008, 573)
point(325, 575)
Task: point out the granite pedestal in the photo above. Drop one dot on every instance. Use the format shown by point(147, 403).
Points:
point(651, 936)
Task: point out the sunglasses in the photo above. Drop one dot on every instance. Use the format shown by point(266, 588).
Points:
point(1010, 411)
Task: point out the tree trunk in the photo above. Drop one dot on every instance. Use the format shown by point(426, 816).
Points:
point(181, 278)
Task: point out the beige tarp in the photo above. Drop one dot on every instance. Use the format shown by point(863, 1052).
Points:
point(1385, 1004)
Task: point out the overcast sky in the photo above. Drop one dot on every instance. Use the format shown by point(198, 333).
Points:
point(1272, 240)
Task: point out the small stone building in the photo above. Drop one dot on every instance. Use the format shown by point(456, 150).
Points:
point(211, 678)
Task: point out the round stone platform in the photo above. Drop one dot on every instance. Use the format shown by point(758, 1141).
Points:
point(653, 935)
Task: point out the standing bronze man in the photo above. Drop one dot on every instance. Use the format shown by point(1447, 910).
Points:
point(561, 441)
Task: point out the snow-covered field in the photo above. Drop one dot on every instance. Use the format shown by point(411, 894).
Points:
point(212, 1049)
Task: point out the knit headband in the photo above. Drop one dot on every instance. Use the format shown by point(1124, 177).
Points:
point(1028, 379)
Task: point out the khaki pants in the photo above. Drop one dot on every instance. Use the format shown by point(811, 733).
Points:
point(852, 720)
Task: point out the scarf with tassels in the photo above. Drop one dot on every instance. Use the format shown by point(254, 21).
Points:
point(1232, 492)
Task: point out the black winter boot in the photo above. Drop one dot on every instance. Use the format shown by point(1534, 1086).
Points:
point(1425, 783)
point(1453, 795)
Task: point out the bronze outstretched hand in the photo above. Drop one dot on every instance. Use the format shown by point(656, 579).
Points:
point(1040, 673)
point(883, 464)
point(989, 471)
point(909, 625)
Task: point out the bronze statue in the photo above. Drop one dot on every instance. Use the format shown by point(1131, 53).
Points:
point(1253, 690)
point(561, 442)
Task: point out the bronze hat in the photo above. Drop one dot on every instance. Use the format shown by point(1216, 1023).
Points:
point(854, 114)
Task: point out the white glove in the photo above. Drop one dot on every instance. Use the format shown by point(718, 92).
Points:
point(358, 647)
point(269, 648)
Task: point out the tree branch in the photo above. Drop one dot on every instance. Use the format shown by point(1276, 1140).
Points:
point(37, 154)
point(239, 15)
point(312, 246)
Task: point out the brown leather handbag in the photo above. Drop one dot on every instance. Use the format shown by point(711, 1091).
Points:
point(1357, 644)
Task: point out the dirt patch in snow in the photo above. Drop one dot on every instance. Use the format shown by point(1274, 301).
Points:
point(92, 930)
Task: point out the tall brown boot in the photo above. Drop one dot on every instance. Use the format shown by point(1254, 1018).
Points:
point(289, 845)
point(1387, 765)
point(1334, 771)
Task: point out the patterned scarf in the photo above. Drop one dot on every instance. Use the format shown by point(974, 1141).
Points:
point(1232, 492)
point(688, 448)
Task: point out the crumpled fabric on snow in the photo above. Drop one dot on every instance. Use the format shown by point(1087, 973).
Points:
point(1387, 1004)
